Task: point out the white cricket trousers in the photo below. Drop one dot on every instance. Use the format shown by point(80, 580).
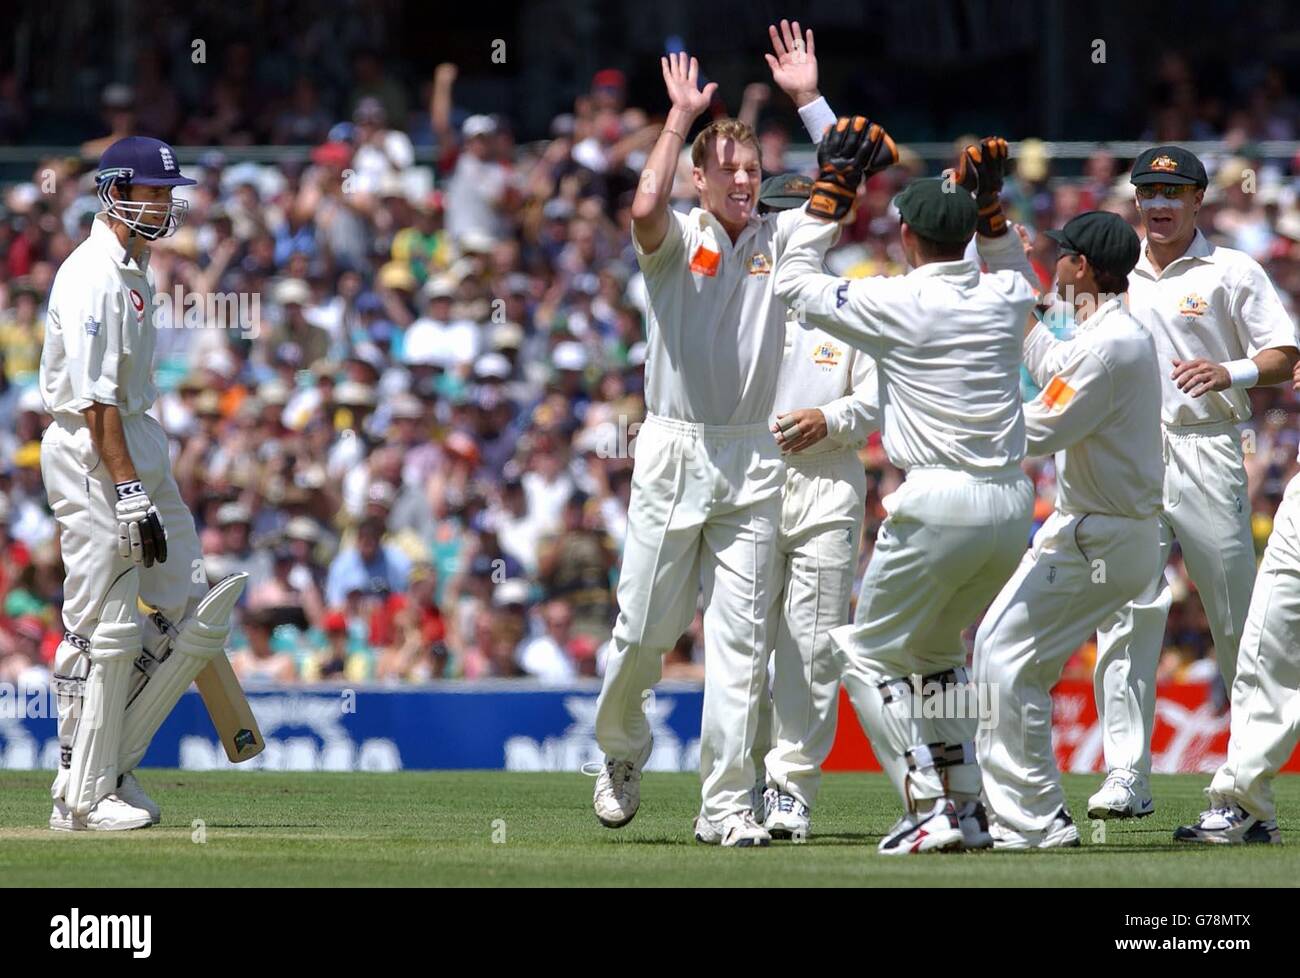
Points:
point(703, 517)
point(1266, 692)
point(952, 539)
point(817, 556)
point(1080, 570)
point(1207, 508)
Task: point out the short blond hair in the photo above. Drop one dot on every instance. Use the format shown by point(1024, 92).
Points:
point(732, 129)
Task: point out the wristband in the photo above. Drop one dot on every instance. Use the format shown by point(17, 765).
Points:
point(1242, 373)
point(816, 116)
point(132, 487)
point(675, 133)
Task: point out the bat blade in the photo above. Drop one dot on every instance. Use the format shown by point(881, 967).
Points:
point(231, 714)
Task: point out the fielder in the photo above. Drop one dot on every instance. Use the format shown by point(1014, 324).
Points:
point(946, 340)
point(822, 508)
point(708, 475)
point(125, 531)
point(1098, 413)
point(1219, 328)
point(1265, 696)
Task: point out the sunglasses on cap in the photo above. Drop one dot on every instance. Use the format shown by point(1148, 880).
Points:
point(1166, 190)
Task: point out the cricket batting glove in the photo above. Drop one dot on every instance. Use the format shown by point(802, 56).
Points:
point(849, 151)
point(140, 533)
point(980, 170)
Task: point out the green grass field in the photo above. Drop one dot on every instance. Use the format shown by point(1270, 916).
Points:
point(438, 828)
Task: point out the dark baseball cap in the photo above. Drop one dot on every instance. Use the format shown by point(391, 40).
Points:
point(1105, 239)
point(784, 191)
point(1168, 164)
point(143, 161)
point(938, 209)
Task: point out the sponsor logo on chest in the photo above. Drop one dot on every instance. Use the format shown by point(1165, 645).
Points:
point(1193, 305)
point(827, 355)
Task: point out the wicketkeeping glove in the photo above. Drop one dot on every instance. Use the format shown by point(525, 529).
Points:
point(140, 533)
point(850, 150)
point(980, 170)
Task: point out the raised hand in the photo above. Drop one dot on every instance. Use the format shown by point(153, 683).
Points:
point(681, 79)
point(850, 150)
point(793, 62)
point(981, 170)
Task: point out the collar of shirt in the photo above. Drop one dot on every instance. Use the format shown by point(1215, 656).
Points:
point(964, 271)
point(1200, 248)
point(720, 235)
point(106, 240)
point(1102, 311)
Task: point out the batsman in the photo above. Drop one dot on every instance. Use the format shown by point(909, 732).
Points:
point(126, 534)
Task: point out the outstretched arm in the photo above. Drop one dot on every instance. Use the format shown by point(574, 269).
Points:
point(794, 70)
point(650, 215)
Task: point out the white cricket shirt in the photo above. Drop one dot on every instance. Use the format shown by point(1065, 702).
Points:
point(819, 371)
point(99, 335)
point(946, 340)
point(1212, 303)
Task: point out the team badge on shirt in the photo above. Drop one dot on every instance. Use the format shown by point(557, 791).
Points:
point(1192, 305)
point(827, 355)
point(705, 261)
point(92, 326)
point(760, 264)
point(1058, 393)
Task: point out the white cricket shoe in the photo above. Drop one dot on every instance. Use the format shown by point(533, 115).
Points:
point(112, 814)
point(936, 830)
point(1227, 824)
point(739, 829)
point(1060, 834)
point(129, 790)
point(618, 791)
point(787, 816)
point(62, 819)
point(974, 821)
point(1124, 794)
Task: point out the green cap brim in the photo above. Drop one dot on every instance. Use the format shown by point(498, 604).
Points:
point(1177, 178)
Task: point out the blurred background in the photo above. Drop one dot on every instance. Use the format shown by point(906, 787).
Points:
point(418, 440)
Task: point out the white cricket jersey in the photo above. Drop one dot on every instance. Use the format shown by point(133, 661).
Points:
point(99, 336)
point(946, 340)
point(819, 371)
point(715, 332)
point(1099, 413)
point(1212, 303)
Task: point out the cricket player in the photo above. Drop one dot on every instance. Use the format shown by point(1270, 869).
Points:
point(1265, 695)
point(946, 340)
point(822, 507)
point(1219, 329)
point(706, 484)
point(1098, 412)
point(125, 531)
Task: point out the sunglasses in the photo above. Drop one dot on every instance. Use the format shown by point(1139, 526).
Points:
point(1169, 191)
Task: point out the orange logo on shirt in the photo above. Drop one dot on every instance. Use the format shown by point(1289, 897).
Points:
point(1193, 305)
point(705, 261)
point(1058, 393)
point(827, 355)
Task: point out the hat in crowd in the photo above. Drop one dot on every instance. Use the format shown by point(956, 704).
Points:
point(350, 393)
point(407, 407)
point(396, 275)
point(381, 494)
point(302, 528)
point(512, 591)
point(478, 125)
point(28, 456)
point(232, 513)
point(1168, 164)
point(784, 191)
point(507, 336)
point(569, 355)
point(208, 403)
point(438, 287)
point(274, 392)
point(475, 242)
point(1105, 239)
point(492, 366)
point(938, 210)
point(370, 355)
point(292, 291)
point(1031, 161)
point(334, 622)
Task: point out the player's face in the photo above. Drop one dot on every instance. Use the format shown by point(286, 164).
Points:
point(157, 201)
point(1168, 210)
point(1068, 274)
point(728, 182)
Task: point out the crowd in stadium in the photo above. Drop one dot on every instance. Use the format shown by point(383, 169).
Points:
point(414, 427)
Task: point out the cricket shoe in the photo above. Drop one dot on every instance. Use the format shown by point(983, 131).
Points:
point(1124, 794)
point(787, 816)
point(63, 820)
point(1228, 824)
point(618, 790)
point(938, 830)
point(129, 790)
point(974, 822)
point(739, 830)
point(112, 814)
point(1061, 834)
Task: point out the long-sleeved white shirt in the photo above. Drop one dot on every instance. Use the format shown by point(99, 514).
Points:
point(1099, 414)
point(99, 334)
point(946, 340)
point(819, 371)
point(1212, 303)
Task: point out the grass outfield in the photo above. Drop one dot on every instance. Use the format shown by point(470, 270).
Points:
point(437, 828)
